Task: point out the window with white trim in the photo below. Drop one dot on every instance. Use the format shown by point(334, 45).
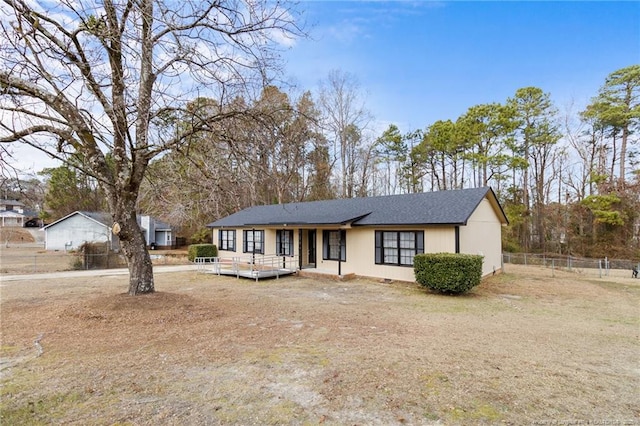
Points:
point(253, 241)
point(284, 242)
point(334, 245)
point(227, 239)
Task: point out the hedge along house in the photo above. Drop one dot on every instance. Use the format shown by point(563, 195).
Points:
point(375, 236)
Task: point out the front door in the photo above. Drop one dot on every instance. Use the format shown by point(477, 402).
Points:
point(311, 247)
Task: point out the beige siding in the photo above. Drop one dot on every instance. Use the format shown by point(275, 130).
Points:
point(482, 235)
point(361, 252)
point(269, 242)
point(440, 240)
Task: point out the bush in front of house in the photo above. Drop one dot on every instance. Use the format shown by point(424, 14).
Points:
point(202, 250)
point(448, 272)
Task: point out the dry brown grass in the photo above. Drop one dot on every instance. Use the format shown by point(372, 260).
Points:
point(33, 258)
point(13, 234)
point(523, 347)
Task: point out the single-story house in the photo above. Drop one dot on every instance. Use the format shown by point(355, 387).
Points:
point(13, 213)
point(73, 230)
point(157, 234)
point(374, 236)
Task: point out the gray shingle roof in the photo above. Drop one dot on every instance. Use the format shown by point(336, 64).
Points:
point(161, 226)
point(107, 220)
point(429, 208)
point(100, 217)
point(4, 202)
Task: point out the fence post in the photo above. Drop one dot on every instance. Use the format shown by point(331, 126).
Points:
point(553, 267)
point(525, 259)
point(600, 267)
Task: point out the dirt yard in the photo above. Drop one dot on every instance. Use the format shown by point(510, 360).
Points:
point(522, 348)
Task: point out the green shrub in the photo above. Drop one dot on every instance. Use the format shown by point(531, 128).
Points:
point(202, 250)
point(448, 272)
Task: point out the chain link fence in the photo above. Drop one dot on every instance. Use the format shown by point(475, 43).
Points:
point(42, 261)
point(591, 267)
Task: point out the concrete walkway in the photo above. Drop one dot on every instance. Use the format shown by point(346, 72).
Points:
point(93, 273)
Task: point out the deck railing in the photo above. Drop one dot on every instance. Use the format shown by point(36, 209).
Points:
point(249, 265)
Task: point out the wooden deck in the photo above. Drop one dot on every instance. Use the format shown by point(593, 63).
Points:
point(252, 267)
point(256, 275)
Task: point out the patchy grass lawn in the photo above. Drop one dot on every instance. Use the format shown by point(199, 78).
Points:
point(523, 347)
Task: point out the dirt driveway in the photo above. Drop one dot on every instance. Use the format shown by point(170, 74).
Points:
point(523, 348)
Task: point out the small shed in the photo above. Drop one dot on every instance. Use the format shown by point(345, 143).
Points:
point(80, 227)
point(77, 228)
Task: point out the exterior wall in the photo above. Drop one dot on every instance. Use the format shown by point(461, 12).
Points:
point(483, 235)
point(269, 241)
point(440, 239)
point(163, 239)
point(156, 234)
point(361, 252)
point(73, 232)
point(148, 229)
point(11, 218)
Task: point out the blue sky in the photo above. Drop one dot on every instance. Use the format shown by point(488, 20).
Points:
point(422, 61)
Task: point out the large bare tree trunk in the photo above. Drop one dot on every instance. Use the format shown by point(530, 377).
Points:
point(133, 245)
point(139, 263)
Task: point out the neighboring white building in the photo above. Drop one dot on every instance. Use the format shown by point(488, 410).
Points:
point(77, 228)
point(157, 234)
point(13, 213)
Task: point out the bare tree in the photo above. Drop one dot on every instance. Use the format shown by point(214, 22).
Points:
point(102, 81)
point(345, 118)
